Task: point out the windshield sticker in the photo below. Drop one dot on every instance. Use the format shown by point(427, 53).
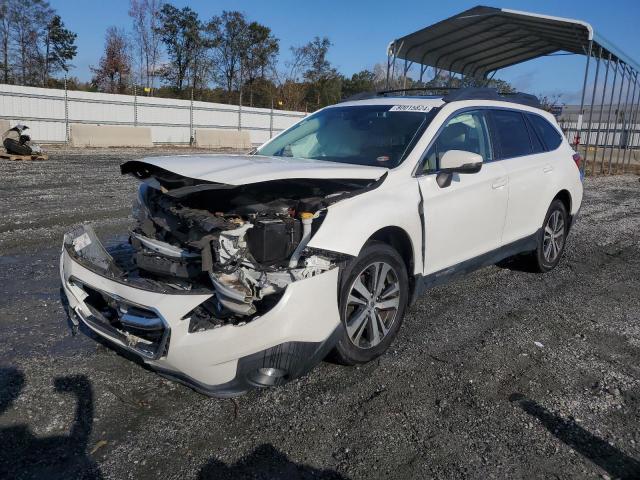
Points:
point(411, 108)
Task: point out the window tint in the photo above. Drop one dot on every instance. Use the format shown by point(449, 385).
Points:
point(549, 135)
point(536, 142)
point(511, 133)
point(466, 131)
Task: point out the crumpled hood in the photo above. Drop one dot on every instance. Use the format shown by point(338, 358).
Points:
point(246, 169)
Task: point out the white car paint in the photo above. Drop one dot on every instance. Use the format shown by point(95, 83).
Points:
point(211, 357)
point(246, 169)
point(465, 219)
point(480, 212)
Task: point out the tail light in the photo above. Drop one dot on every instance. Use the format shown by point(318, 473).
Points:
point(578, 159)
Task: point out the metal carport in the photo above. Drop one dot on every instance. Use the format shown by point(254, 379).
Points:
point(482, 40)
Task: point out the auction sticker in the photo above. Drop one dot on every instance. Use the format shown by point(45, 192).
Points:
point(411, 108)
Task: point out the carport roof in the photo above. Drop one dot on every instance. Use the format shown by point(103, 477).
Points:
point(484, 39)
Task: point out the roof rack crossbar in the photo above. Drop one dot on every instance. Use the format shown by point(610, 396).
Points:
point(492, 94)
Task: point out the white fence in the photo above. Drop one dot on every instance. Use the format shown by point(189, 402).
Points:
point(49, 112)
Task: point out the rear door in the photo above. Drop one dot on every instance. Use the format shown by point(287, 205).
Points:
point(523, 156)
point(465, 219)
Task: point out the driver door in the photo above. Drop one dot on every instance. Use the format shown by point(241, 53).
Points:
point(465, 219)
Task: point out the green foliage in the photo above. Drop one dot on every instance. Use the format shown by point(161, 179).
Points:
point(60, 46)
point(180, 31)
point(361, 82)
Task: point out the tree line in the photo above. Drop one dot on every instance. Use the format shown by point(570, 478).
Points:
point(35, 45)
point(173, 52)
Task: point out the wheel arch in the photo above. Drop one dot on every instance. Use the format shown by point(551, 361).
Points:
point(398, 239)
point(565, 197)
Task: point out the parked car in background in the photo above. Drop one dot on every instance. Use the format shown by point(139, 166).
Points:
point(247, 270)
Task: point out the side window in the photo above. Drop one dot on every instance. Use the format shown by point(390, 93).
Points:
point(511, 133)
point(536, 139)
point(549, 135)
point(466, 131)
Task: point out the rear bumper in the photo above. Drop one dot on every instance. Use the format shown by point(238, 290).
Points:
point(291, 337)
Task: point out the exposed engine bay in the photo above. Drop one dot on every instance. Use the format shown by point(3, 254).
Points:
point(244, 243)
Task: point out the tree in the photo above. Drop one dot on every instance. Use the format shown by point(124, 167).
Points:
point(146, 27)
point(60, 48)
point(28, 20)
point(363, 81)
point(113, 73)
point(324, 80)
point(260, 55)
point(230, 39)
point(179, 30)
point(5, 32)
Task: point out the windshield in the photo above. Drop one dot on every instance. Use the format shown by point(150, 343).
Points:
point(376, 135)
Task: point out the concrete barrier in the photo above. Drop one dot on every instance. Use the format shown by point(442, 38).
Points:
point(211, 138)
point(4, 126)
point(88, 135)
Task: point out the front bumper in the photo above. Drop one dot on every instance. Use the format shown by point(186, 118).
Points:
point(282, 344)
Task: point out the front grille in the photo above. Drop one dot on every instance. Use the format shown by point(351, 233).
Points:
point(139, 328)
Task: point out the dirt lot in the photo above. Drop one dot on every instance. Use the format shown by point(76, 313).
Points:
point(503, 374)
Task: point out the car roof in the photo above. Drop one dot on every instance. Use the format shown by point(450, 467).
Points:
point(439, 101)
point(399, 97)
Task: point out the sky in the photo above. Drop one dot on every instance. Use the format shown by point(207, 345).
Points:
point(361, 30)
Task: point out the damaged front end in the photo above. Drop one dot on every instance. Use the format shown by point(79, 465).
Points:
point(244, 244)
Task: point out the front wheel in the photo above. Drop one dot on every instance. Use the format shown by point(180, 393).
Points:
point(374, 293)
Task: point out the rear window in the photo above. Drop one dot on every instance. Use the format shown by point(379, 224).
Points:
point(549, 135)
point(536, 142)
point(511, 133)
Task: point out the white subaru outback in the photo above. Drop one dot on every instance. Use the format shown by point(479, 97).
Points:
point(247, 270)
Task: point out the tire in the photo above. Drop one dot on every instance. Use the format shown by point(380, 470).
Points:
point(13, 147)
point(369, 326)
point(552, 238)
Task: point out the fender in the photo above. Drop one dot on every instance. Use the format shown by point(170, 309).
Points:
point(395, 203)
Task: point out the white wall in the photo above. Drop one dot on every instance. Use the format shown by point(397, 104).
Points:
point(170, 120)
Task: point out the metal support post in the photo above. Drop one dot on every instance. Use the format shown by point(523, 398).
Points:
point(191, 134)
point(271, 120)
point(584, 88)
point(135, 105)
point(66, 112)
point(624, 121)
point(615, 127)
point(634, 121)
point(628, 116)
point(604, 90)
point(592, 103)
point(608, 124)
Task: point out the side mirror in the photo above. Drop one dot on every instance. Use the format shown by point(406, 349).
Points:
point(457, 161)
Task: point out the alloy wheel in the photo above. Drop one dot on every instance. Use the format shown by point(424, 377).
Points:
point(553, 236)
point(372, 305)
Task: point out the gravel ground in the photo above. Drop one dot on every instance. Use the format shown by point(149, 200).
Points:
point(503, 374)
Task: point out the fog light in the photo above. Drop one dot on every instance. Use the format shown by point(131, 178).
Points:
point(272, 372)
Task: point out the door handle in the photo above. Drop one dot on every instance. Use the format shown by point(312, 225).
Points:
point(547, 169)
point(499, 183)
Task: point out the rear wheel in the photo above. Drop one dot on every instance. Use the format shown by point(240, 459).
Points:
point(374, 294)
point(552, 238)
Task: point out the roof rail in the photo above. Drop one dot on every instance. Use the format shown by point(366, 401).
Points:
point(473, 93)
point(435, 91)
point(456, 94)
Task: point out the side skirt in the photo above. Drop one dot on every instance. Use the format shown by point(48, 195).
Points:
point(424, 282)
